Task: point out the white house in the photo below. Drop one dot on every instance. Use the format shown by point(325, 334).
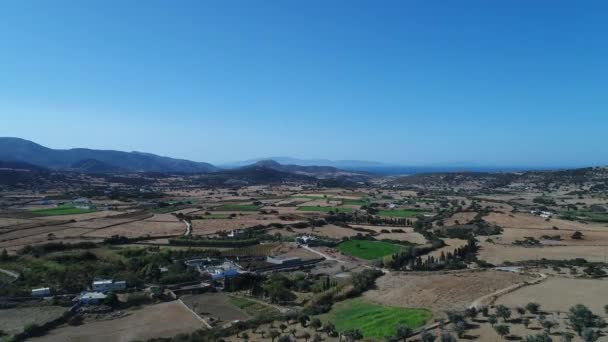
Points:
point(108, 285)
point(234, 233)
point(306, 238)
point(41, 292)
point(82, 203)
point(541, 213)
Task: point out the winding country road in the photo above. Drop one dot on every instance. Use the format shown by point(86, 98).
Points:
point(188, 231)
point(12, 274)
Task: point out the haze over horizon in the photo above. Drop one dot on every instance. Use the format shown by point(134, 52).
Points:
point(503, 83)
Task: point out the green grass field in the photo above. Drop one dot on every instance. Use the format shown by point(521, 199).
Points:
point(237, 207)
point(67, 210)
point(251, 307)
point(399, 213)
point(586, 215)
point(374, 321)
point(369, 250)
point(326, 209)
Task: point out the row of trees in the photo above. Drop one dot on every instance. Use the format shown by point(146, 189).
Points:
point(337, 218)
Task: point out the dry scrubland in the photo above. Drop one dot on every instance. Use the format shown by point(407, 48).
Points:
point(436, 291)
point(439, 292)
point(216, 306)
point(518, 226)
point(559, 294)
point(158, 320)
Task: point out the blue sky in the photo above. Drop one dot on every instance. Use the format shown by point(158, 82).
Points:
point(507, 83)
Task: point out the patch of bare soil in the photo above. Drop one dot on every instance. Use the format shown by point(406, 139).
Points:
point(560, 294)
point(439, 292)
point(159, 320)
point(214, 307)
point(140, 228)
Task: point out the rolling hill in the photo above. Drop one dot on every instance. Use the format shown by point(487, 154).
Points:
point(16, 149)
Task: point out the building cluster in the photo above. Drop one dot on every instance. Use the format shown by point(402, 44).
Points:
point(216, 269)
point(541, 213)
point(99, 290)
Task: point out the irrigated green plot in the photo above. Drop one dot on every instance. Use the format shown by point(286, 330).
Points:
point(368, 249)
point(61, 211)
point(399, 213)
point(237, 207)
point(586, 215)
point(251, 307)
point(374, 321)
point(326, 209)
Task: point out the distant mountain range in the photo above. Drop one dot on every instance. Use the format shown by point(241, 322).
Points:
point(341, 164)
point(100, 161)
point(109, 161)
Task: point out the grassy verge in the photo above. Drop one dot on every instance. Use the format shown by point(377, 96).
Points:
point(373, 320)
point(252, 308)
point(215, 216)
point(369, 250)
point(61, 211)
point(326, 209)
point(586, 215)
point(237, 207)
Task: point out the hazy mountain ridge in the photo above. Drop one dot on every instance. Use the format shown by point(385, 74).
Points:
point(16, 149)
point(309, 162)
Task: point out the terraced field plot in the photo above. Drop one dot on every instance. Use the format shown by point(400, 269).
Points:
point(237, 207)
point(326, 209)
point(251, 307)
point(369, 250)
point(373, 320)
point(67, 210)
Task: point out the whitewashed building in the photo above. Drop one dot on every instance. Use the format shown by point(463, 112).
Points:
point(41, 292)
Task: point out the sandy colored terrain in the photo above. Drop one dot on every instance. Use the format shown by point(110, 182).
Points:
point(99, 223)
point(497, 254)
point(329, 230)
point(6, 222)
point(214, 305)
point(461, 217)
point(5, 239)
point(159, 320)
point(590, 238)
point(439, 292)
point(559, 294)
point(212, 226)
point(140, 228)
point(451, 245)
point(80, 217)
point(163, 218)
point(529, 221)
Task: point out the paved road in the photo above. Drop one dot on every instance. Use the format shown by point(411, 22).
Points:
point(478, 303)
point(10, 273)
point(188, 231)
point(322, 254)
